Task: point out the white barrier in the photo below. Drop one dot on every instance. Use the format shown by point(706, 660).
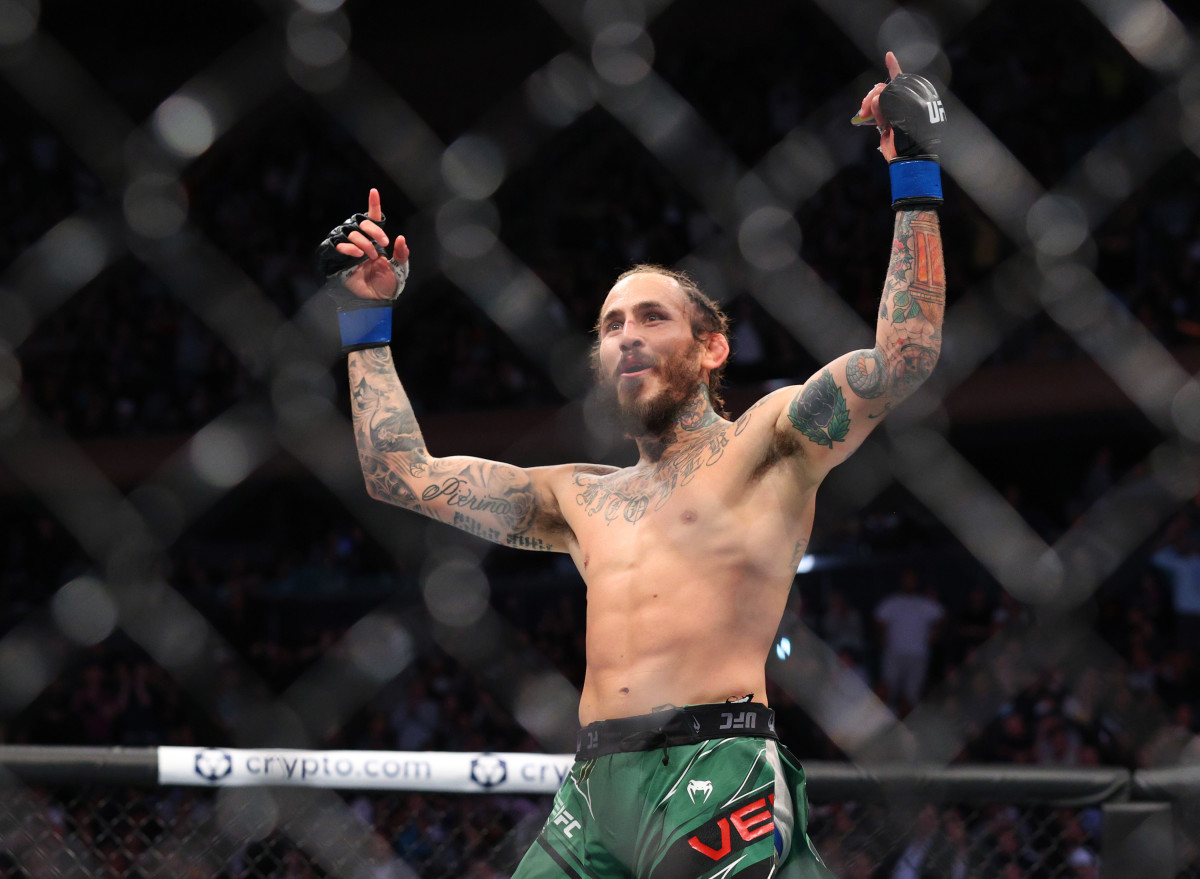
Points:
point(429, 771)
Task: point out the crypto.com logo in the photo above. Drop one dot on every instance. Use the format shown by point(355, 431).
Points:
point(488, 771)
point(213, 764)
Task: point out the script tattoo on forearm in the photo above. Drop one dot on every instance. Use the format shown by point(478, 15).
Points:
point(398, 468)
point(502, 495)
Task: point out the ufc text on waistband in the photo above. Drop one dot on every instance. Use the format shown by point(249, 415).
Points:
point(681, 726)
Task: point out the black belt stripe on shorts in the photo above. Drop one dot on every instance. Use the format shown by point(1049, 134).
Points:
point(689, 725)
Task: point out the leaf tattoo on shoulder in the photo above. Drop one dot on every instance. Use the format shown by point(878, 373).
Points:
point(820, 412)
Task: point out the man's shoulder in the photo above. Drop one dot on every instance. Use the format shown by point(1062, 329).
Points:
point(767, 408)
point(592, 469)
point(569, 471)
point(566, 477)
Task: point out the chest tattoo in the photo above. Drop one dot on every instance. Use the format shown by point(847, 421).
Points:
point(629, 494)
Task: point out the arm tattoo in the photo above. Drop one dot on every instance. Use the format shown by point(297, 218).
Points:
point(819, 411)
point(389, 439)
point(505, 493)
point(867, 373)
point(490, 500)
point(909, 335)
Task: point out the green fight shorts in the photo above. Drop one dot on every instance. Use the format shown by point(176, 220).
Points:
point(703, 792)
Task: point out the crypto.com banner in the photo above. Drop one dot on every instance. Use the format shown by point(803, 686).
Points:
point(432, 771)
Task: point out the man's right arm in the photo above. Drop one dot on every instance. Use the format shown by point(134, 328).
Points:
point(498, 502)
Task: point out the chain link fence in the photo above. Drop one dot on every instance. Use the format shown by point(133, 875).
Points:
point(165, 362)
point(238, 833)
point(88, 830)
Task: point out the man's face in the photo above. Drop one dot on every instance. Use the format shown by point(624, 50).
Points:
point(649, 361)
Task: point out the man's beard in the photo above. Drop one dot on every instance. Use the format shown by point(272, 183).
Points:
point(650, 417)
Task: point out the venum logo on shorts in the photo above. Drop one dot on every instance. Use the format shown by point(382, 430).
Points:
point(719, 839)
point(213, 764)
point(696, 786)
point(487, 770)
point(752, 821)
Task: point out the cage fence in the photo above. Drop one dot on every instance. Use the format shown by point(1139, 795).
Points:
point(256, 832)
point(143, 208)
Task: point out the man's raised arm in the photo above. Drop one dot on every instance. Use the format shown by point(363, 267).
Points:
point(833, 412)
point(498, 502)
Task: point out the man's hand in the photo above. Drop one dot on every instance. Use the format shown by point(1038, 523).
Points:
point(870, 114)
point(355, 253)
point(910, 117)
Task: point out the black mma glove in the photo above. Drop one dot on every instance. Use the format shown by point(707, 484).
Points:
point(910, 104)
point(364, 323)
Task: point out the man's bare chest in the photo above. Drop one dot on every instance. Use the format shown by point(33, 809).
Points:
point(704, 467)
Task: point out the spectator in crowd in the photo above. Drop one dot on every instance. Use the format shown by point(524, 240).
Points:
point(927, 854)
point(908, 622)
point(1084, 864)
point(842, 626)
point(1180, 561)
point(1012, 742)
point(972, 624)
point(956, 859)
point(1057, 744)
point(1174, 743)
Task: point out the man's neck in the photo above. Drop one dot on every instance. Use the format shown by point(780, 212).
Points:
point(695, 414)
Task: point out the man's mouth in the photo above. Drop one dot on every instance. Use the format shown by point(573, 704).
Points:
point(633, 369)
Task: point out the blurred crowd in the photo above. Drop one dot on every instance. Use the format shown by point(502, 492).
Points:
point(125, 356)
point(282, 575)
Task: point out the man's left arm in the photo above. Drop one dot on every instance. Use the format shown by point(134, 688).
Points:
point(831, 414)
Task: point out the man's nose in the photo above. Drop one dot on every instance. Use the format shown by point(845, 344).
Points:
point(631, 337)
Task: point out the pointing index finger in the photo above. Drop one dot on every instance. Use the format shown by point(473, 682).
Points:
point(374, 209)
point(893, 66)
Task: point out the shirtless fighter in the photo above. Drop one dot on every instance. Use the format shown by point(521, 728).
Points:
point(689, 554)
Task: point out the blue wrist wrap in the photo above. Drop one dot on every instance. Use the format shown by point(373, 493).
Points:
point(368, 326)
point(915, 182)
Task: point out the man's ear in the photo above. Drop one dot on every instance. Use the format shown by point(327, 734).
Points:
point(716, 350)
